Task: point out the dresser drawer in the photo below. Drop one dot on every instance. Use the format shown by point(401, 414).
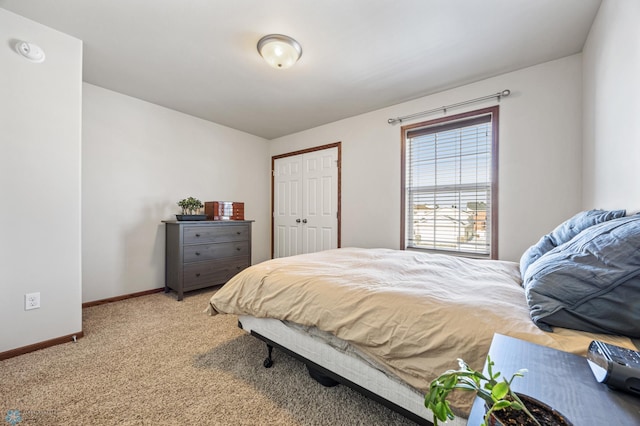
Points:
point(203, 274)
point(215, 234)
point(198, 253)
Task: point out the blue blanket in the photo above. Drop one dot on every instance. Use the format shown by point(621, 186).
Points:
point(564, 233)
point(591, 282)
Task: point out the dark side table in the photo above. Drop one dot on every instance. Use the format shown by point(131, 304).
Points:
point(562, 380)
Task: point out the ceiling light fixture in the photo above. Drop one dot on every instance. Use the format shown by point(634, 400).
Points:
point(280, 51)
point(30, 51)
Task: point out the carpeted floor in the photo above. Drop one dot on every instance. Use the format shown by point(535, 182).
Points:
point(155, 361)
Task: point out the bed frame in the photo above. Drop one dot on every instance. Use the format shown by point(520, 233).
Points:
point(330, 367)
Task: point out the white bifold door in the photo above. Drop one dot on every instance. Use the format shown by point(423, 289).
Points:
point(305, 202)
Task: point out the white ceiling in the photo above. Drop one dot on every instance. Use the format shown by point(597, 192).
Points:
point(199, 56)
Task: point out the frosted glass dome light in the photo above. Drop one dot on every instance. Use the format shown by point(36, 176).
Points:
point(280, 51)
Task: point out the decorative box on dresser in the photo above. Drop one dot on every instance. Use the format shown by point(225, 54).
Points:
point(202, 254)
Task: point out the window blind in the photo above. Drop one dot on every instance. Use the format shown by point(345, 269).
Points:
point(448, 186)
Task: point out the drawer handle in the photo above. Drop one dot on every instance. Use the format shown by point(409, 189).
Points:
point(197, 235)
point(238, 248)
point(197, 253)
point(238, 232)
point(238, 267)
point(198, 274)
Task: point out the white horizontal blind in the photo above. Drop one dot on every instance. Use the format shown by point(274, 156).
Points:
point(448, 186)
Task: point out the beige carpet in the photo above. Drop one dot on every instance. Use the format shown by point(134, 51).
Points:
point(155, 361)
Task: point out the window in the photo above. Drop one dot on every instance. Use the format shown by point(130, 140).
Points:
point(450, 181)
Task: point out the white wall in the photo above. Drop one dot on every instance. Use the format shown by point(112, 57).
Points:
point(611, 61)
point(139, 159)
point(540, 156)
point(40, 122)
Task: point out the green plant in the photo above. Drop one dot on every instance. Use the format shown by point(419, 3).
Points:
point(497, 395)
point(190, 205)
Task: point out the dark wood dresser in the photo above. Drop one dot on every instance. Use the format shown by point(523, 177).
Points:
point(202, 254)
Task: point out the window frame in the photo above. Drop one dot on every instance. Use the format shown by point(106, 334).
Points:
point(494, 111)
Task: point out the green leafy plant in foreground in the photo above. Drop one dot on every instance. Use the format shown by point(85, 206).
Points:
point(497, 395)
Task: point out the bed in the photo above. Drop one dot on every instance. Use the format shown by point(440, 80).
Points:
point(387, 322)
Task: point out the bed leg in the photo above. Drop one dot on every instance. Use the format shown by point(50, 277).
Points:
point(268, 362)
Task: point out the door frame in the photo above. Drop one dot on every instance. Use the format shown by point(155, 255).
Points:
point(339, 194)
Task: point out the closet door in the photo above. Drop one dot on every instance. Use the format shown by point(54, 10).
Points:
point(320, 200)
point(306, 202)
point(287, 206)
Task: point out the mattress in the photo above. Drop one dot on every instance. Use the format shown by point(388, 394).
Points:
point(345, 362)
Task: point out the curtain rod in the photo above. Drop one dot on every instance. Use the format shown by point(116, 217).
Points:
point(498, 95)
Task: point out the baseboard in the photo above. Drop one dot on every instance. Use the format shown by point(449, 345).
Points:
point(41, 345)
point(72, 337)
point(123, 297)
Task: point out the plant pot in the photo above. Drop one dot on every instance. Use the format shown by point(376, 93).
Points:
point(183, 217)
point(545, 414)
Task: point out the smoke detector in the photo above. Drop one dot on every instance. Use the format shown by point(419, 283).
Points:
point(30, 51)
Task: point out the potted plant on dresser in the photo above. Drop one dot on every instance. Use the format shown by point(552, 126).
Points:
point(503, 406)
point(190, 209)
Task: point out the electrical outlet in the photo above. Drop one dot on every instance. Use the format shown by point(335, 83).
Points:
point(31, 301)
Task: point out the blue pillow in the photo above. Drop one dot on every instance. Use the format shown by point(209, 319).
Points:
point(565, 232)
point(591, 283)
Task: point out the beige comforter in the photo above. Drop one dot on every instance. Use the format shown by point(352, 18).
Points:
point(414, 313)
